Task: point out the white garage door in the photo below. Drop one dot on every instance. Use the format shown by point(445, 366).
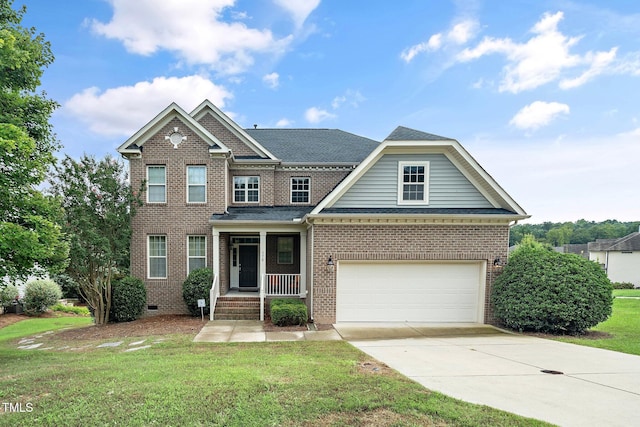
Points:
point(410, 291)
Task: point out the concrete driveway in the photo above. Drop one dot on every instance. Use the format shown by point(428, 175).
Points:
point(592, 387)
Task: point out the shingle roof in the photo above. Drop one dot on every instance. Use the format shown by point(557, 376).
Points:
point(402, 133)
point(263, 213)
point(630, 242)
point(314, 145)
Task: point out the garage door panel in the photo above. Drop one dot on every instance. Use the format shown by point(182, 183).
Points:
point(417, 292)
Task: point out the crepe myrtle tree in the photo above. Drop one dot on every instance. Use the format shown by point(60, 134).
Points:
point(98, 205)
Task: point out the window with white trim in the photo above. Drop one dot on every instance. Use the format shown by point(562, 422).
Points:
point(196, 253)
point(300, 189)
point(246, 189)
point(156, 184)
point(413, 183)
point(157, 262)
point(285, 250)
point(196, 184)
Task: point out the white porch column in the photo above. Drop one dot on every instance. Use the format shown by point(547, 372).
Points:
point(263, 256)
point(216, 251)
point(303, 263)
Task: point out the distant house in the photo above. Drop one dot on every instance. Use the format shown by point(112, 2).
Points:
point(408, 229)
point(619, 257)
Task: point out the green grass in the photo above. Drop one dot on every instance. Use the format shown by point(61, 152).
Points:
point(178, 382)
point(623, 328)
point(626, 293)
point(37, 325)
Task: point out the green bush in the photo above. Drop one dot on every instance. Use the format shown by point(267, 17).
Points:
point(545, 291)
point(69, 287)
point(39, 295)
point(8, 294)
point(197, 287)
point(288, 312)
point(128, 299)
point(623, 285)
point(80, 311)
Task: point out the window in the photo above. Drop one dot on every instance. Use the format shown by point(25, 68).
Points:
point(156, 184)
point(157, 257)
point(197, 253)
point(246, 189)
point(285, 250)
point(300, 190)
point(196, 184)
point(413, 185)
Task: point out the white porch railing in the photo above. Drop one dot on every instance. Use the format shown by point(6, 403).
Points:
point(214, 293)
point(282, 284)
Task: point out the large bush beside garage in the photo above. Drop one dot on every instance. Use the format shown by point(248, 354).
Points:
point(197, 287)
point(545, 291)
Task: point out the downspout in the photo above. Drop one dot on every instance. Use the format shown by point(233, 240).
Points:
point(310, 281)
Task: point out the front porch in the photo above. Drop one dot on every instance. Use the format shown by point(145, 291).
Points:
point(251, 266)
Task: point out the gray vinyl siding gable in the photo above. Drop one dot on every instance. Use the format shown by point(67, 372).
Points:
point(378, 187)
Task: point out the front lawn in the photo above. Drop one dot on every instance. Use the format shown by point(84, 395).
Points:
point(626, 293)
point(621, 332)
point(178, 382)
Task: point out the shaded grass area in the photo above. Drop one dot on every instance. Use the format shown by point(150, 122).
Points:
point(31, 326)
point(178, 382)
point(621, 330)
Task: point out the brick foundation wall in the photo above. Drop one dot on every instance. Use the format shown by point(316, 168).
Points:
point(400, 242)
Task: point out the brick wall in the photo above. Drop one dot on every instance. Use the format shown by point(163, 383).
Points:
point(400, 242)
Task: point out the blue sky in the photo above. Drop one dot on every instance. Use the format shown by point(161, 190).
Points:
point(544, 94)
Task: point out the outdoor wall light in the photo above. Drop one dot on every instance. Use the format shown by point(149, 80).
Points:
point(497, 262)
point(330, 264)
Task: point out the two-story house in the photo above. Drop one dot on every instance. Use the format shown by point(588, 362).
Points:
point(407, 229)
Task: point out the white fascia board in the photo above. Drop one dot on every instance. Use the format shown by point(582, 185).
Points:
point(232, 126)
point(164, 117)
point(416, 218)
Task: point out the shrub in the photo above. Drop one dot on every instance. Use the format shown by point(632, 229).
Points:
point(288, 312)
point(622, 285)
point(39, 295)
point(69, 287)
point(197, 287)
point(8, 294)
point(542, 290)
point(128, 299)
point(80, 311)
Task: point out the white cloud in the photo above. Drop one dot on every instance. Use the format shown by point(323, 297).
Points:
point(124, 110)
point(316, 115)
point(199, 36)
point(458, 34)
point(352, 98)
point(543, 58)
point(299, 9)
point(283, 123)
point(538, 114)
point(272, 80)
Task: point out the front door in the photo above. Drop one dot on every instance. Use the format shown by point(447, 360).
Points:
point(248, 266)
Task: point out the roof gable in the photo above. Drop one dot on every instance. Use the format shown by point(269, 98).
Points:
point(455, 153)
point(207, 107)
point(630, 242)
point(402, 133)
point(133, 145)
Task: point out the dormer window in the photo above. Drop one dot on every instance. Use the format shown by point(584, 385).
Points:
point(413, 183)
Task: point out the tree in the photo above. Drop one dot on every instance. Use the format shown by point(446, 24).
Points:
point(98, 205)
point(29, 234)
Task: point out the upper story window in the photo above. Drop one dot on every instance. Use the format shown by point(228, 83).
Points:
point(196, 184)
point(246, 189)
point(300, 189)
point(413, 183)
point(157, 257)
point(156, 184)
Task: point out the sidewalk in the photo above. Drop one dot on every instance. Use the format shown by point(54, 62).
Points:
point(253, 331)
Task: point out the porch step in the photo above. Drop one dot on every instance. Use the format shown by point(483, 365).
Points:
point(237, 308)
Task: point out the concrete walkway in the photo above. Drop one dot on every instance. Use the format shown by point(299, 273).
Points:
point(253, 331)
point(586, 386)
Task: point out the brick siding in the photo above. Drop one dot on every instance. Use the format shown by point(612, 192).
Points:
point(400, 242)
